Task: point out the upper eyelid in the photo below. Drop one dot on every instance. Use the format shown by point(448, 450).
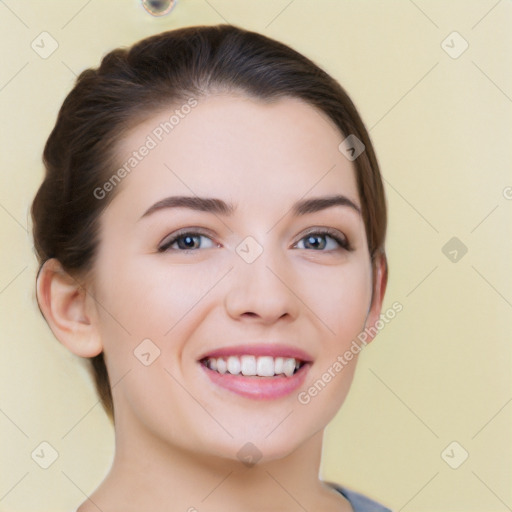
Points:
point(324, 230)
point(185, 231)
point(335, 234)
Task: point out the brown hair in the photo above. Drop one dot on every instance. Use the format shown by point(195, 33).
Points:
point(133, 83)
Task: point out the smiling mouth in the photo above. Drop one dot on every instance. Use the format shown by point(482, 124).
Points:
point(252, 366)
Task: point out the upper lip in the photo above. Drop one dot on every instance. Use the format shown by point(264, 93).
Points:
point(260, 349)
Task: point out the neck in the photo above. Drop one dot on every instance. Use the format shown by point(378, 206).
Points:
point(150, 474)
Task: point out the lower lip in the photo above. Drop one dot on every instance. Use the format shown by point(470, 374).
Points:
point(259, 388)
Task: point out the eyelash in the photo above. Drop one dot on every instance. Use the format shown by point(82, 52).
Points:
point(330, 233)
point(326, 232)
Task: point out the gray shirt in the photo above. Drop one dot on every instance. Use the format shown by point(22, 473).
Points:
point(359, 502)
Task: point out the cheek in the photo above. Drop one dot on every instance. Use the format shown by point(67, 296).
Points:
point(149, 299)
point(339, 297)
point(343, 303)
point(148, 295)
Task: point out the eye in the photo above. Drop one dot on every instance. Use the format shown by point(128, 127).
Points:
point(187, 241)
point(323, 240)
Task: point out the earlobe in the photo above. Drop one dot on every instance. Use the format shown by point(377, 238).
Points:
point(67, 310)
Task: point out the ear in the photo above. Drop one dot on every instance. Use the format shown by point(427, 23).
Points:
point(68, 310)
point(379, 283)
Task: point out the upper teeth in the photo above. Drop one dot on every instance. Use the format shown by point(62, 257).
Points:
point(263, 366)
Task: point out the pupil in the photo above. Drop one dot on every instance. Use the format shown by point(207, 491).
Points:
point(314, 241)
point(189, 242)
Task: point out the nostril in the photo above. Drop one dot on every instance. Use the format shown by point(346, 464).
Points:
point(250, 314)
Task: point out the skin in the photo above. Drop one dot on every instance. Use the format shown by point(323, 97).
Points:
point(177, 434)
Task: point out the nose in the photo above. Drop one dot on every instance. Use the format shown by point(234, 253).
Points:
point(261, 292)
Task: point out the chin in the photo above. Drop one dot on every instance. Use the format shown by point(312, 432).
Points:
point(258, 447)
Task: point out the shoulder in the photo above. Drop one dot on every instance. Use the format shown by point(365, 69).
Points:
point(359, 502)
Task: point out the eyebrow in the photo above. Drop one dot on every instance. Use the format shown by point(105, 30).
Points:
point(220, 207)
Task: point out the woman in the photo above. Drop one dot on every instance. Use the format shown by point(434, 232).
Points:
point(211, 234)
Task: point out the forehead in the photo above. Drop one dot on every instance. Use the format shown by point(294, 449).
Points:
point(236, 148)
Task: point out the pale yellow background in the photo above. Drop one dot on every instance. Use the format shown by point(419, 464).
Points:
point(439, 372)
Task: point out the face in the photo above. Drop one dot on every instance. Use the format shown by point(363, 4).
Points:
point(236, 241)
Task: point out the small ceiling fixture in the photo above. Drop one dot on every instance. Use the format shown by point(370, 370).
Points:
point(158, 7)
